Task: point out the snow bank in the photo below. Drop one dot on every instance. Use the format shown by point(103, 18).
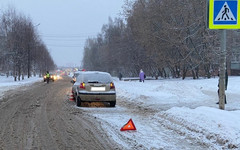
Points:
point(211, 126)
point(9, 83)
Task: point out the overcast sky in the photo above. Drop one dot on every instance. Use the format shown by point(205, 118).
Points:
point(64, 25)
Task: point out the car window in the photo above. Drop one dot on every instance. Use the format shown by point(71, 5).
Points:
point(96, 78)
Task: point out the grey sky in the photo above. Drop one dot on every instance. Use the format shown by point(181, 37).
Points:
point(65, 24)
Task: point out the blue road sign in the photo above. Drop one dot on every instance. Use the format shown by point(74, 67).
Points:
point(223, 14)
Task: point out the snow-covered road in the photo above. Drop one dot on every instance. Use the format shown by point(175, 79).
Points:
point(170, 114)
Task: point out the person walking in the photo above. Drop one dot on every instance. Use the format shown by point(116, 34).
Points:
point(120, 76)
point(226, 84)
point(141, 76)
point(47, 76)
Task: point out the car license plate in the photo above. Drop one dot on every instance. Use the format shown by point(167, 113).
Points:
point(98, 89)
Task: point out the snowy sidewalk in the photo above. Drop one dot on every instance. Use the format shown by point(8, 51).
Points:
point(9, 83)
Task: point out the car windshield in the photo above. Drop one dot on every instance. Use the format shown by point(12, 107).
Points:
point(97, 78)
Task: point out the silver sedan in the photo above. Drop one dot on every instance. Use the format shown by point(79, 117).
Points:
point(92, 86)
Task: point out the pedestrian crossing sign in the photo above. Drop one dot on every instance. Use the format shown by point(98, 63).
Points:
point(223, 14)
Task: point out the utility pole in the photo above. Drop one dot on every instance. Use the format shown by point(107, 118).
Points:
point(222, 70)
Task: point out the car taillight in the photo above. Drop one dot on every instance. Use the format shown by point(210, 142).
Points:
point(82, 85)
point(112, 86)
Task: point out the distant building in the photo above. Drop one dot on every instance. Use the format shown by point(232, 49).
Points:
point(235, 57)
point(235, 62)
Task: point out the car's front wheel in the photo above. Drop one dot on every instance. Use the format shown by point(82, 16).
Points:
point(78, 101)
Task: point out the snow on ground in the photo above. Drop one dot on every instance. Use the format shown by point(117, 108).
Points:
point(185, 108)
point(9, 83)
point(168, 113)
point(175, 91)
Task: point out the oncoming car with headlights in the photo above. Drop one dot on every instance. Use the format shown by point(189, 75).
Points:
point(94, 86)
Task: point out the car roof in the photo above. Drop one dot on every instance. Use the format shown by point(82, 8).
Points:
point(86, 73)
point(94, 72)
point(77, 71)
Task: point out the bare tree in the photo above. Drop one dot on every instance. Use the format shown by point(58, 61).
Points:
point(162, 37)
point(20, 44)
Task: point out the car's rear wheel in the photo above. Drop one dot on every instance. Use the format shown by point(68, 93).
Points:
point(78, 101)
point(112, 104)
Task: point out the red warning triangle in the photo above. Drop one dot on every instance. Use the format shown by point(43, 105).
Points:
point(128, 126)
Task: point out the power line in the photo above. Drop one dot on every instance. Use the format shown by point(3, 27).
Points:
point(68, 40)
point(68, 36)
point(72, 46)
point(73, 36)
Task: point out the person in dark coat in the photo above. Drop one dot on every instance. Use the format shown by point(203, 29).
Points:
point(226, 83)
point(226, 79)
point(120, 76)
